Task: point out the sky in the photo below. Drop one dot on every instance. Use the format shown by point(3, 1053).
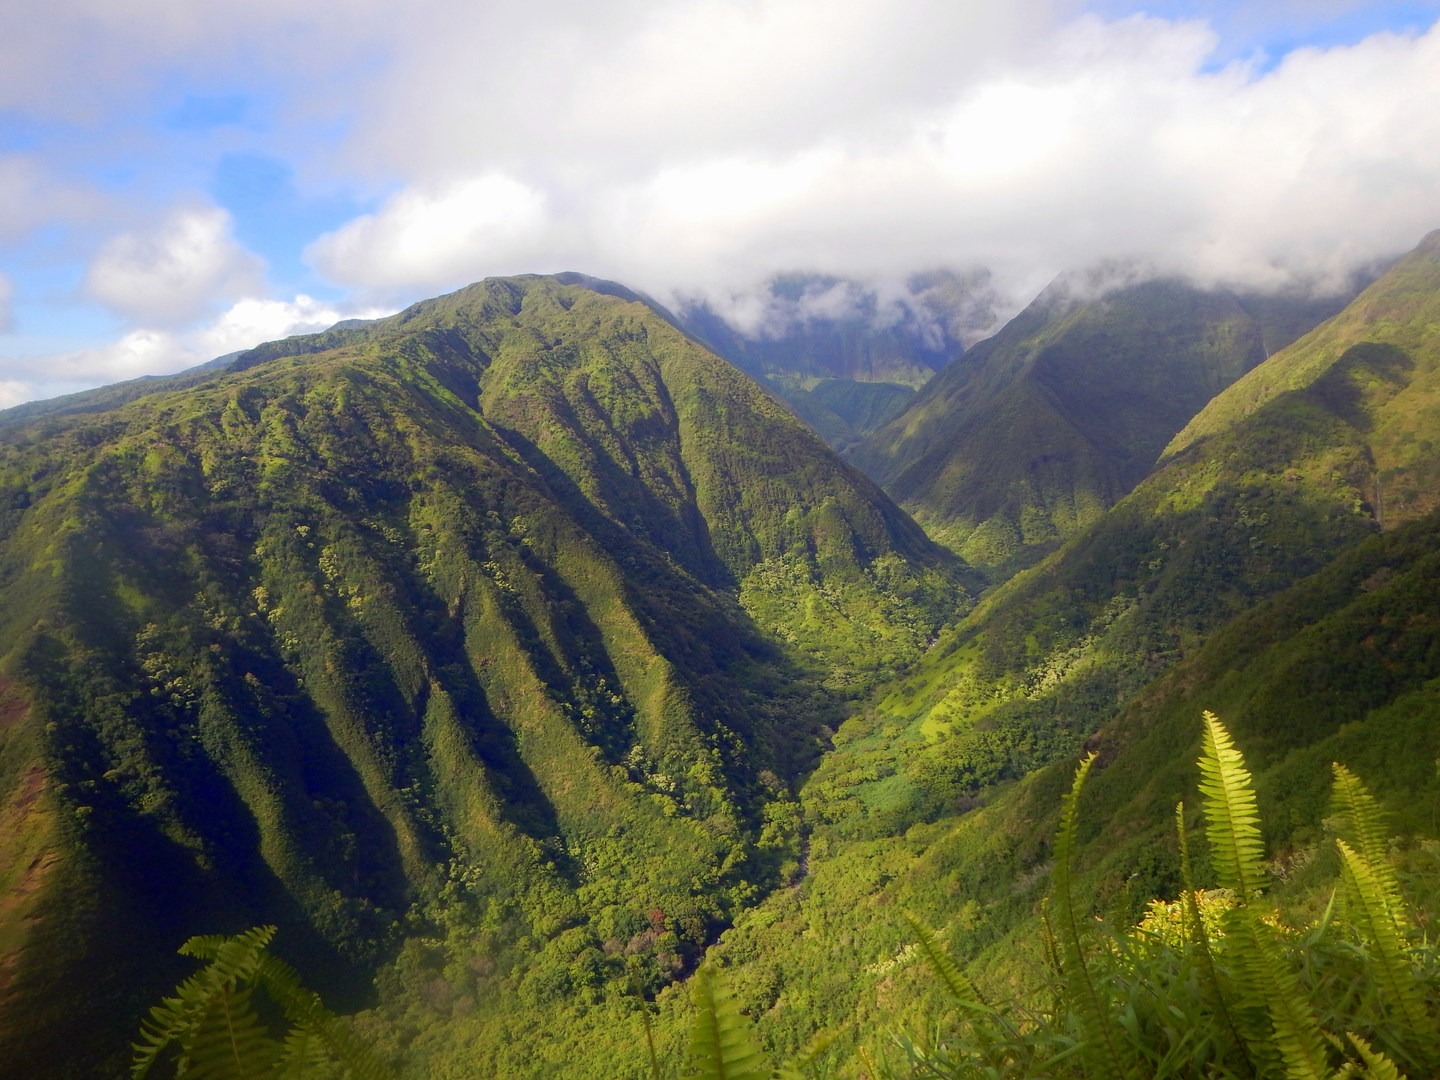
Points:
point(179, 180)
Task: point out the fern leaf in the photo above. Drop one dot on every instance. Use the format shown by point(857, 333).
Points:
point(1231, 815)
point(218, 1034)
point(1267, 981)
point(201, 1019)
point(804, 1065)
point(1103, 1045)
point(231, 1043)
point(962, 991)
point(1361, 823)
point(306, 1012)
point(722, 1046)
point(1377, 1065)
point(1212, 992)
point(303, 1055)
point(1370, 910)
point(1268, 986)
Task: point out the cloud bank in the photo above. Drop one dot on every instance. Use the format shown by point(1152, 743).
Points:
point(151, 351)
point(175, 272)
point(705, 147)
point(699, 148)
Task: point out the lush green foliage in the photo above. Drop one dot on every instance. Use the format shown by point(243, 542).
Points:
point(1339, 667)
point(1264, 990)
point(843, 411)
point(487, 638)
point(215, 1031)
point(495, 651)
point(1031, 436)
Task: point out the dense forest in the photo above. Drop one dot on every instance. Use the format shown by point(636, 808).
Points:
point(559, 703)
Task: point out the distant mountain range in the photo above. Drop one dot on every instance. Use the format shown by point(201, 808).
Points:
point(846, 355)
point(515, 652)
point(1027, 439)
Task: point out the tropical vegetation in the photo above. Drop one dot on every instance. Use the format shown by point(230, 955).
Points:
point(532, 670)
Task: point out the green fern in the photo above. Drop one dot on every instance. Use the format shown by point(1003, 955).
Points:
point(1211, 989)
point(212, 1023)
point(210, 1018)
point(1231, 815)
point(1360, 822)
point(962, 990)
point(1102, 1044)
point(1377, 1065)
point(722, 1045)
point(1370, 911)
point(1266, 983)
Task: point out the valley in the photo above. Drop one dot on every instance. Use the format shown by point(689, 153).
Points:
point(519, 653)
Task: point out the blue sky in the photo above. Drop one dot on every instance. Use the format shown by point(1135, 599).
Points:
point(181, 180)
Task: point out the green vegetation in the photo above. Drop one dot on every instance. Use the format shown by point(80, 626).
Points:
point(1374, 368)
point(502, 630)
point(846, 358)
point(1226, 981)
point(1025, 441)
point(843, 411)
point(215, 1030)
point(519, 659)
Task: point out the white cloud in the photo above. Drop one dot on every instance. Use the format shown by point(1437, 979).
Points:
point(7, 315)
point(699, 147)
point(252, 321)
point(688, 155)
point(31, 195)
point(439, 236)
point(176, 272)
point(149, 351)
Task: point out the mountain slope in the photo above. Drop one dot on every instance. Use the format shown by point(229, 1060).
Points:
point(499, 620)
point(1248, 575)
point(1375, 366)
point(1340, 667)
point(1028, 438)
point(847, 356)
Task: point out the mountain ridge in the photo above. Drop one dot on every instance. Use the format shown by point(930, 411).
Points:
point(1029, 437)
point(518, 598)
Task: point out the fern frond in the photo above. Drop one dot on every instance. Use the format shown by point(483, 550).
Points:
point(306, 1012)
point(200, 1018)
point(802, 1067)
point(962, 990)
point(218, 1034)
point(1361, 823)
point(1232, 819)
point(1267, 982)
point(1369, 909)
point(230, 1043)
point(722, 1046)
point(1211, 989)
point(1268, 986)
point(1103, 1044)
point(1377, 1065)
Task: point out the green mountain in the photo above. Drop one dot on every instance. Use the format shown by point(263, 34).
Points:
point(846, 356)
point(1340, 667)
point(1249, 575)
point(484, 644)
point(1372, 370)
point(1027, 439)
